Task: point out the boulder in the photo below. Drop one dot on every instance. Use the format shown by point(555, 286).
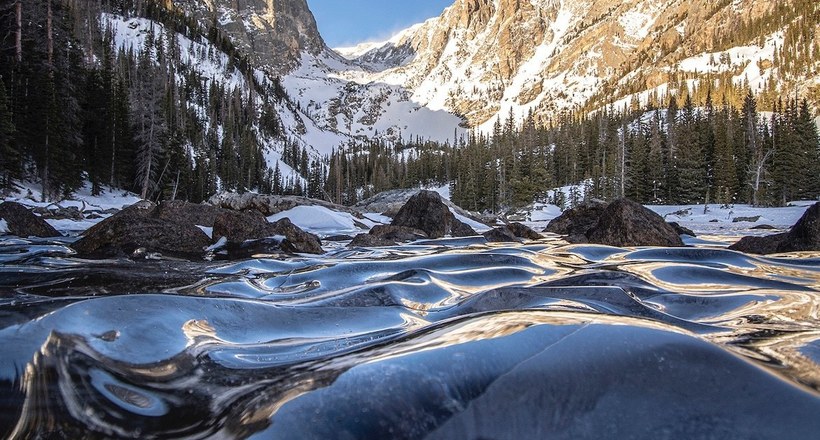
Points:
point(576, 222)
point(397, 233)
point(191, 213)
point(241, 226)
point(626, 223)
point(501, 235)
point(369, 240)
point(746, 219)
point(295, 239)
point(759, 245)
point(461, 229)
point(803, 236)
point(524, 231)
point(21, 222)
point(428, 212)
point(135, 231)
point(763, 228)
point(682, 230)
point(337, 238)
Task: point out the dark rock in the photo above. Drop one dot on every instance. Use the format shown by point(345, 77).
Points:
point(335, 238)
point(746, 219)
point(369, 240)
point(576, 222)
point(805, 235)
point(682, 230)
point(626, 223)
point(296, 240)
point(714, 220)
point(524, 231)
point(190, 213)
point(501, 235)
point(397, 233)
point(759, 245)
point(764, 228)
point(59, 213)
point(426, 211)
point(23, 223)
point(135, 231)
point(461, 229)
point(255, 248)
point(238, 227)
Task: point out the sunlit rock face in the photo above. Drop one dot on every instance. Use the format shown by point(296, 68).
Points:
point(485, 59)
point(273, 33)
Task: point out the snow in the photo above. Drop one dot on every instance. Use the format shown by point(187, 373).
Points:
point(207, 230)
point(4, 227)
point(335, 107)
point(746, 59)
point(29, 194)
point(719, 220)
point(638, 21)
point(478, 226)
point(378, 218)
point(322, 221)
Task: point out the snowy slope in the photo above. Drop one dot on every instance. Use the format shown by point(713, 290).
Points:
point(335, 108)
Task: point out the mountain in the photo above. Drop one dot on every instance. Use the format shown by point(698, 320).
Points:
point(485, 59)
point(183, 98)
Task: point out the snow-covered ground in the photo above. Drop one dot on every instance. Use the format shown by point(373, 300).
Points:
point(30, 195)
point(713, 220)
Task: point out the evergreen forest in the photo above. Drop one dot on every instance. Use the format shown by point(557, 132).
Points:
point(77, 105)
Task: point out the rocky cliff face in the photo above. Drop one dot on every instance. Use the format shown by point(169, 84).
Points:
point(487, 58)
point(275, 33)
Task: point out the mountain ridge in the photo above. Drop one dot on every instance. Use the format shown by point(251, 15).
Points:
point(553, 55)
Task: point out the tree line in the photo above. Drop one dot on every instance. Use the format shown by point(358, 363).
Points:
point(686, 152)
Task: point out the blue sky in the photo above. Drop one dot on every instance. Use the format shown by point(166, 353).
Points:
point(348, 22)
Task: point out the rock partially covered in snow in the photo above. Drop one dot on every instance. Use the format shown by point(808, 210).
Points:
point(269, 205)
point(21, 222)
point(390, 202)
point(239, 227)
point(803, 236)
point(426, 211)
point(136, 231)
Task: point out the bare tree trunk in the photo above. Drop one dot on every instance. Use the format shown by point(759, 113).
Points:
point(147, 180)
point(19, 34)
point(176, 186)
point(50, 32)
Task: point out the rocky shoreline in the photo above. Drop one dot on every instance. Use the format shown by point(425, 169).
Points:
point(234, 226)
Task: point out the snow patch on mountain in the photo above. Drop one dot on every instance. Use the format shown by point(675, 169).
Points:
point(337, 109)
point(752, 63)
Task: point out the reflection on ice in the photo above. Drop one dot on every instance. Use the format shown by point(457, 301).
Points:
point(442, 339)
